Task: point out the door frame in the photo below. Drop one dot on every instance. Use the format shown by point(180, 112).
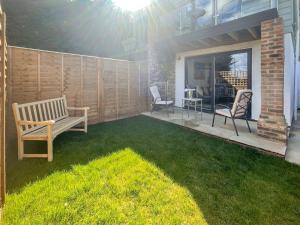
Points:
point(213, 83)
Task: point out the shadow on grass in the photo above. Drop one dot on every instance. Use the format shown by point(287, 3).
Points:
point(230, 184)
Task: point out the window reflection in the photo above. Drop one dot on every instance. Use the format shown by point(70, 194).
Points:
point(217, 78)
point(199, 76)
point(185, 22)
point(231, 76)
point(207, 18)
point(229, 10)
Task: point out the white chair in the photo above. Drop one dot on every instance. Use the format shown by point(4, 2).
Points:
point(239, 109)
point(157, 100)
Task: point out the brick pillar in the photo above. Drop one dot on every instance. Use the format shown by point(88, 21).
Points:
point(272, 123)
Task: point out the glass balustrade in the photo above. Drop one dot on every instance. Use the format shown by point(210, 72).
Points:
point(200, 14)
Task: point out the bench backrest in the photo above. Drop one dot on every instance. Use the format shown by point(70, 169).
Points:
point(50, 109)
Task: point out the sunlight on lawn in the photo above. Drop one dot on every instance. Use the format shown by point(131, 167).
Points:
point(121, 188)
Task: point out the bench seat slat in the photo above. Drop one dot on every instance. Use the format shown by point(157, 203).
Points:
point(58, 128)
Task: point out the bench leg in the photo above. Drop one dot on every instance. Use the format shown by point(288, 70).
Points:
point(85, 121)
point(85, 125)
point(20, 148)
point(50, 150)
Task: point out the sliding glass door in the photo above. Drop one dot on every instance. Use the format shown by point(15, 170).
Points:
point(232, 73)
point(200, 76)
point(217, 78)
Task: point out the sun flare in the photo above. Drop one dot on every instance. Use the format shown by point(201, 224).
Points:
point(131, 5)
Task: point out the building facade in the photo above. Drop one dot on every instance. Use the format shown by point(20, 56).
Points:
point(218, 47)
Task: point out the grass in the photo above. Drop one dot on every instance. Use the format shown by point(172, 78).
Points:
point(118, 189)
point(166, 175)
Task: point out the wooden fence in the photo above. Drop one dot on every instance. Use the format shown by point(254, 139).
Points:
point(3, 61)
point(113, 89)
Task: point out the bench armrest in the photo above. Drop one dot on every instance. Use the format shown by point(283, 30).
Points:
point(37, 123)
point(85, 109)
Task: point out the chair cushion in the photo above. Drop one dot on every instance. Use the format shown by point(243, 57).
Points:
point(163, 102)
point(240, 105)
point(223, 112)
point(155, 93)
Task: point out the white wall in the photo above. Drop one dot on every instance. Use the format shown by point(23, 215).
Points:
point(289, 78)
point(297, 92)
point(179, 80)
point(297, 57)
point(297, 75)
point(256, 71)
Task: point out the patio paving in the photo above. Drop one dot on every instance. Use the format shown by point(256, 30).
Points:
point(221, 130)
point(293, 149)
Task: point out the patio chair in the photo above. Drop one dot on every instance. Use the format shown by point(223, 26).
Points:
point(239, 109)
point(157, 100)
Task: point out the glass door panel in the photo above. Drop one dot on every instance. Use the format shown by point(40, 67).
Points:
point(217, 78)
point(231, 72)
point(199, 76)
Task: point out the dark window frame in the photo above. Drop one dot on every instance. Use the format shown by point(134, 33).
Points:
point(213, 56)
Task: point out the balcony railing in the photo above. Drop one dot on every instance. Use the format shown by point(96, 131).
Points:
point(200, 14)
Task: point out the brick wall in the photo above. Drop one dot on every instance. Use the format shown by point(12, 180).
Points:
point(272, 123)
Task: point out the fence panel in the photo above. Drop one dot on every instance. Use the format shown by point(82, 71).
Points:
point(112, 88)
point(90, 87)
point(72, 79)
point(49, 75)
point(25, 75)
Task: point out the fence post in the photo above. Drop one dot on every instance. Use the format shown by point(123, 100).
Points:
point(62, 74)
point(117, 91)
point(81, 81)
point(128, 86)
point(39, 75)
point(100, 91)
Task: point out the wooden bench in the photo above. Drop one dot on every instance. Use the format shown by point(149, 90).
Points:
point(43, 121)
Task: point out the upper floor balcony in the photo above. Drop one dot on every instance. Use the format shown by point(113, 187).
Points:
point(207, 23)
point(200, 14)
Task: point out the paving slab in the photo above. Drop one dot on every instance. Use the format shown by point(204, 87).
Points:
point(221, 130)
point(293, 149)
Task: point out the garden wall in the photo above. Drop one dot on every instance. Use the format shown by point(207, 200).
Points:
point(113, 89)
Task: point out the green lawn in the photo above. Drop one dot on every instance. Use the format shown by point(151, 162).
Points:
point(144, 171)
